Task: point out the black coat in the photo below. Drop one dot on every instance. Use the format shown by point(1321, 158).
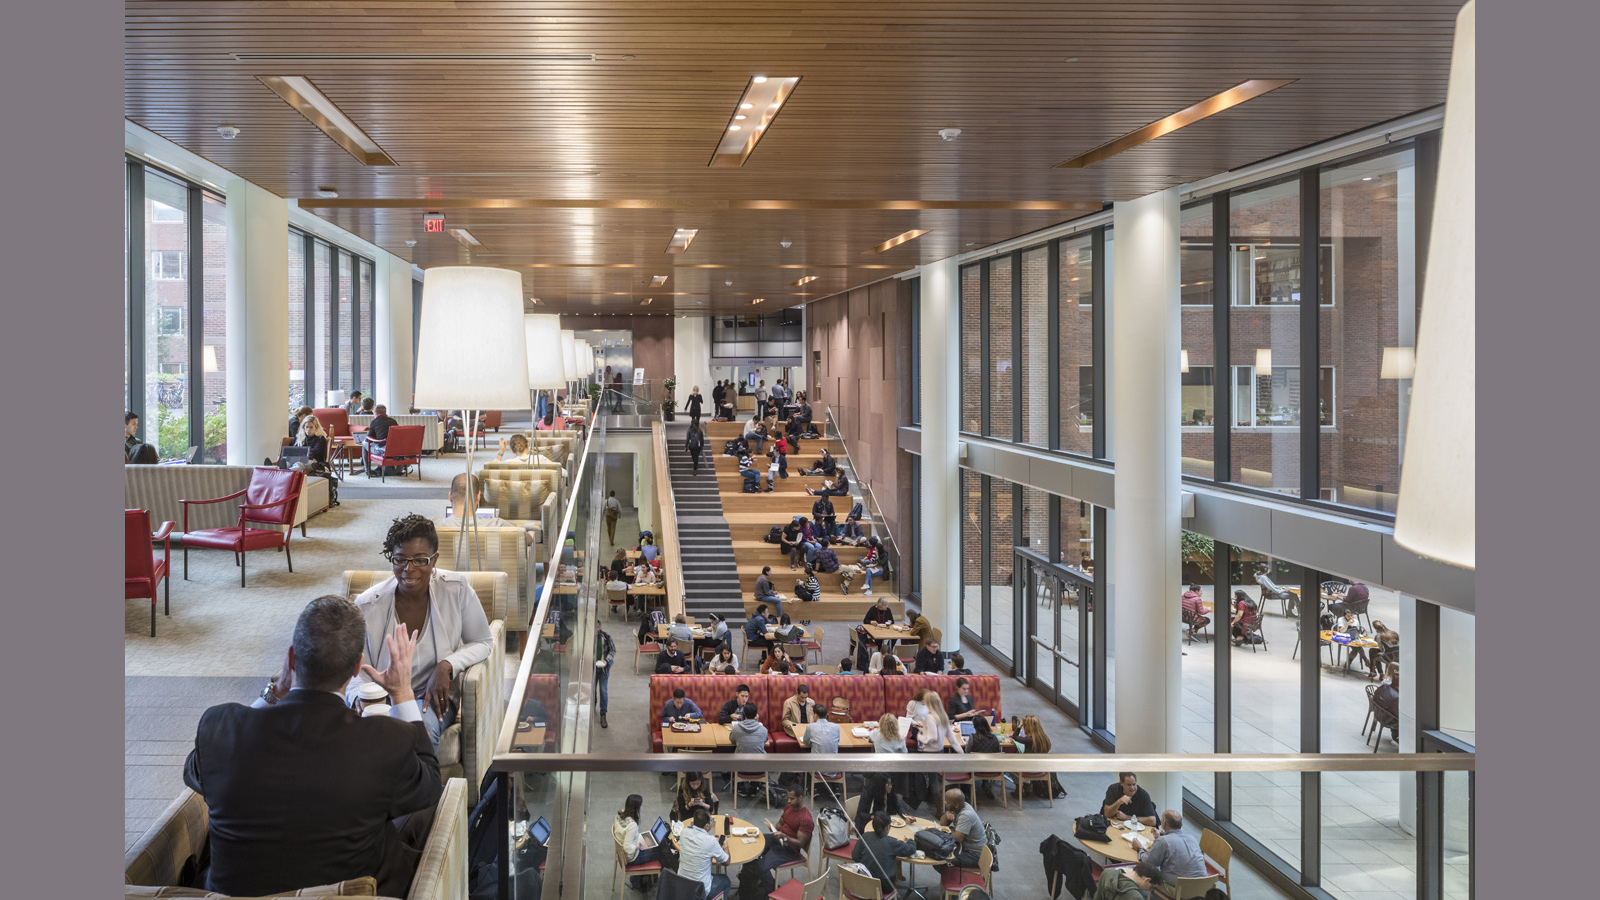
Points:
point(303, 793)
point(694, 405)
point(1066, 866)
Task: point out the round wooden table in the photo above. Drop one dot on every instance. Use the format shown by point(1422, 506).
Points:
point(739, 852)
point(908, 833)
point(1120, 850)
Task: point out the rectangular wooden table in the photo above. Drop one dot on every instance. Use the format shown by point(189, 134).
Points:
point(709, 737)
point(887, 633)
point(849, 742)
point(530, 741)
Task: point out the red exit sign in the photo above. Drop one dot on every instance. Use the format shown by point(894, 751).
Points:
point(434, 223)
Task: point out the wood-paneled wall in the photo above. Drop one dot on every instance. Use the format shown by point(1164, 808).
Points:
point(864, 338)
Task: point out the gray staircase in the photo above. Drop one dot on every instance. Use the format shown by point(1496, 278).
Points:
point(710, 577)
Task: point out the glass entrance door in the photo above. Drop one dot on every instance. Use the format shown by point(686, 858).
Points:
point(1057, 617)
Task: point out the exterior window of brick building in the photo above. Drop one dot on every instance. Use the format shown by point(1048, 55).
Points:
point(1198, 362)
point(972, 573)
point(1368, 334)
point(297, 321)
point(322, 334)
point(1264, 336)
point(1075, 345)
point(212, 367)
point(1002, 367)
point(972, 349)
point(164, 415)
point(1034, 381)
point(346, 322)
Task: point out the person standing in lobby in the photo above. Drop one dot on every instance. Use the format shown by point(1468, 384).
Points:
point(694, 406)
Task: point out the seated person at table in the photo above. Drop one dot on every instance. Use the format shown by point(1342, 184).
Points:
point(733, 710)
point(1351, 601)
point(1126, 800)
point(366, 406)
point(724, 663)
point(879, 614)
point(680, 709)
point(807, 589)
point(294, 421)
point(755, 629)
point(521, 451)
point(826, 465)
point(1173, 852)
point(1270, 591)
point(958, 665)
point(680, 630)
point(823, 517)
point(422, 596)
point(619, 565)
point(1387, 697)
point(846, 665)
point(929, 660)
point(839, 487)
point(649, 550)
point(694, 793)
point(921, 628)
point(959, 706)
point(784, 844)
point(697, 850)
point(1194, 614)
point(747, 732)
point(878, 851)
point(797, 709)
point(314, 438)
point(1246, 618)
point(646, 575)
point(625, 830)
point(965, 827)
point(778, 659)
point(765, 592)
point(459, 510)
point(671, 662)
point(331, 820)
point(1125, 883)
point(143, 455)
point(1388, 648)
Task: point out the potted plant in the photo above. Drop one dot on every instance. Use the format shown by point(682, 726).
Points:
point(669, 404)
point(1198, 563)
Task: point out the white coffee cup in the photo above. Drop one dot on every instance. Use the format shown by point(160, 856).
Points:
point(375, 709)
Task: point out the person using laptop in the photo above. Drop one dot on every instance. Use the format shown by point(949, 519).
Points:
point(960, 705)
point(638, 846)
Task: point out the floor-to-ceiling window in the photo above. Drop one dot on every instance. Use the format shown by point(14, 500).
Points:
point(972, 348)
point(175, 314)
point(1197, 361)
point(332, 335)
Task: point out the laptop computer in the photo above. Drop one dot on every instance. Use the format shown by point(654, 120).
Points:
point(967, 728)
point(655, 836)
point(539, 832)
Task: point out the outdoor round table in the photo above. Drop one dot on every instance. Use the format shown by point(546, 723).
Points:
point(739, 852)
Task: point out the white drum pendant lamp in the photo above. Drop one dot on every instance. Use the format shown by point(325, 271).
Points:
point(569, 355)
point(1436, 514)
point(546, 371)
point(471, 350)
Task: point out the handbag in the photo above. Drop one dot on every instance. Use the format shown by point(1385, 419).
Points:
point(1091, 828)
point(936, 843)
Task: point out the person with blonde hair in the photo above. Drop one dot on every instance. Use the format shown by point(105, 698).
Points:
point(886, 737)
point(934, 732)
point(1030, 736)
point(313, 437)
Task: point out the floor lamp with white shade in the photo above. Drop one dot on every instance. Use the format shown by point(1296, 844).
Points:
point(546, 371)
point(472, 352)
point(569, 361)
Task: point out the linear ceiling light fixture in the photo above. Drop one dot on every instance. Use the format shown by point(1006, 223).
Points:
point(1210, 106)
point(804, 281)
point(681, 240)
point(647, 301)
point(658, 280)
point(301, 94)
point(760, 103)
point(897, 240)
point(466, 238)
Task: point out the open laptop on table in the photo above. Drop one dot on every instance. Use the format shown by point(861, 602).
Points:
point(655, 836)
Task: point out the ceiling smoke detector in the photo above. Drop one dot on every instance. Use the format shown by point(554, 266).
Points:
point(949, 134)
point(324, 190)
point(228, 132)
point(411, 243)
point(786, 244)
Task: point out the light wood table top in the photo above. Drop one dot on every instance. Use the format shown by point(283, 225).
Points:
point(741, 848)
point(1119, 850)
point(847, 741)
point(908, 833)
point(888, 633)
point(654, 590)
point(530, 741)
point(709, 737)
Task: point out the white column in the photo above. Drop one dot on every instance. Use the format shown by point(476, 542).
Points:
point(258, 322)
point(691, 359)
point(392, 317)
point(940, 552)
point(1144, 427)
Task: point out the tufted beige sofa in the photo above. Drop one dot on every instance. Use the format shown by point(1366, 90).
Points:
point(530, 496)
point(466, 747)
point(170, 851)
point(503, 550)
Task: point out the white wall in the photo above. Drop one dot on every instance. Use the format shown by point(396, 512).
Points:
point(691, 355)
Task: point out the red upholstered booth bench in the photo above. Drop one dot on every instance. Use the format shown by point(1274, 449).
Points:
point(708, 692)
point(865, 693)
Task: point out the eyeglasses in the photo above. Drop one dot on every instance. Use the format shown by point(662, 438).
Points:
point(420, 562)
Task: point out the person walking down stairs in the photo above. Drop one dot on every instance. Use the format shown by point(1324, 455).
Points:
point(695, 443)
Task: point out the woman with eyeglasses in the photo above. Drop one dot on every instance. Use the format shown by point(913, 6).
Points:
point(438, 606)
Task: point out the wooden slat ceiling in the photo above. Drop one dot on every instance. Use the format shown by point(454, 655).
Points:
point(560, 104)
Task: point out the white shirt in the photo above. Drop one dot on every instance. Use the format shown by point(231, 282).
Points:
point(405, 712)
point(456, 630)
point(626, 834)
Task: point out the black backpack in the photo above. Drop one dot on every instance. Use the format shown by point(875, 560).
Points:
point(774, 535)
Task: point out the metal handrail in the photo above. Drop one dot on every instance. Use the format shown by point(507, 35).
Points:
point(870, 499)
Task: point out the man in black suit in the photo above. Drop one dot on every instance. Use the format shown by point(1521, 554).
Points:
point(302, 790)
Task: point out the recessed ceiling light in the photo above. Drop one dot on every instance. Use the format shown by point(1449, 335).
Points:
point(1210, 106)
point(806, 280)
point(681, 239)
point(647, 301)
point(897, 240)
point(1072, 59)
point(465, 237)
point(757, 300)
point(658, 280)
point(738, 142)
point(301, 94)
point(326, 191)
point(1368, 178)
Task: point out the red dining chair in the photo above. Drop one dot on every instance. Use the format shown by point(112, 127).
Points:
point(402, 446)
point(142, 570)
point(270, 499)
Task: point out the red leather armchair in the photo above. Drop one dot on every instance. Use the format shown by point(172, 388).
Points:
point(268, 500)
point(336, 422)
point(402, 446)
point(142, 570)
